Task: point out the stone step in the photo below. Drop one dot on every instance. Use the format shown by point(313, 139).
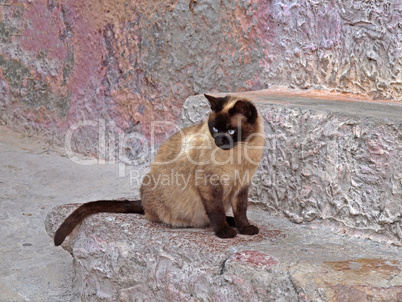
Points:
point(327, 157)
point(328, 165)
point(120, 257)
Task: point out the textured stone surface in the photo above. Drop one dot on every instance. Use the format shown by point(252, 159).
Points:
point(141, 260)
point(121, 257)
point(352, 280)
point(327, 159)
point(120, 65)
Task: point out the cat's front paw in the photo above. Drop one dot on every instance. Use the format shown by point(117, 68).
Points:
point(249, 230)
point(226, 232)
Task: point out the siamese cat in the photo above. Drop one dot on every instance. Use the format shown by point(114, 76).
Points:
point(198, 174)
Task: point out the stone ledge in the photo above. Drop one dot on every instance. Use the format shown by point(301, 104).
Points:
point(328, 157)
point(121, 257)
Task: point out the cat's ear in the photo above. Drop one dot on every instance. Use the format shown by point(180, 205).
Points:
point(216, 103)
point(246, 109)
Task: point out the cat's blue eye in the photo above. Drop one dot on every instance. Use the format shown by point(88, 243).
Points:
point(214, 129)
point(231, 131)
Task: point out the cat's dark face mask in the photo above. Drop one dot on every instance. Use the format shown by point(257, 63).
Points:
point(228, 126)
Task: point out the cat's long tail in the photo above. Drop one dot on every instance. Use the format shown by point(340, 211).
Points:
point(87, 209)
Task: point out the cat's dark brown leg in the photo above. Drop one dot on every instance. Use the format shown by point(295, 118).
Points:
point(220, 226)
point(216, 213)
point(240, 213)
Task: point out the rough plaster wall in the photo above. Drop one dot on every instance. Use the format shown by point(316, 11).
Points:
point(353, 46)
point(131, 62)
point(320, 164)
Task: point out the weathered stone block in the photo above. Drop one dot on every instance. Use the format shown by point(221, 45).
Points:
point(120, 257)
point(127, 257)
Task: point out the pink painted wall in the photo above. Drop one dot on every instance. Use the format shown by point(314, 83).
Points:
point(132, 62)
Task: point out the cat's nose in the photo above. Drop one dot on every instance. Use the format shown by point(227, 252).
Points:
point(224, 142)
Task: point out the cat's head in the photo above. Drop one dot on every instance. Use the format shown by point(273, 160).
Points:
point(232, 120)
